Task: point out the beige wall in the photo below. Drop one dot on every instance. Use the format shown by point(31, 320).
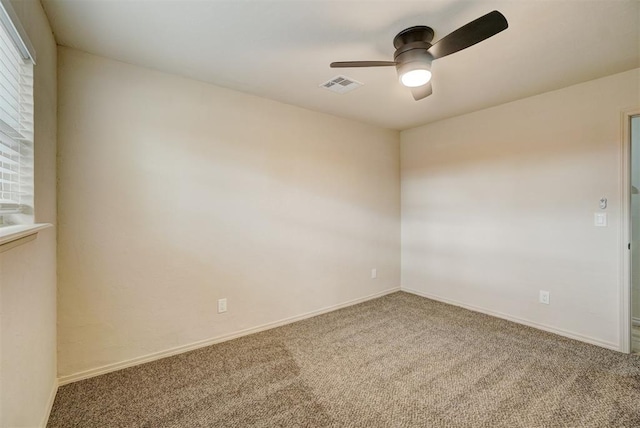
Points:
point(175, 193)
point(28, 272)
point(499, 204)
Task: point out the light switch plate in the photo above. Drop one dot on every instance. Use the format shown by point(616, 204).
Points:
point(600, 219)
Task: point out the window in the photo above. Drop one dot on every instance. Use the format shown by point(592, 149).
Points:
point(16, 120)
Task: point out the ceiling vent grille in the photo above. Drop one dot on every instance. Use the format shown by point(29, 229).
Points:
point(341, 84)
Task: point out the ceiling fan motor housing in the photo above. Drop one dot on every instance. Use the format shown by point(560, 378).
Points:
point(419, 33)
point(412, 46)
point(419, 55)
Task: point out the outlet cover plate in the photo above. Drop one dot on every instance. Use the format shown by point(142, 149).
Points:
point(544, 297)
point(222, 305)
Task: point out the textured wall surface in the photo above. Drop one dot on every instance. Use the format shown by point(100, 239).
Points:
point(175, 193)
point(499, 204)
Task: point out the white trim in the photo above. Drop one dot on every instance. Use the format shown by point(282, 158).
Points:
point(565, 333)
point(52, 398)
point(17, 33)
point(63, 380)
point(9, 234)
point(625, 228)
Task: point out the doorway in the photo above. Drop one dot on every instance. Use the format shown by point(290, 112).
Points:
point(634, 207)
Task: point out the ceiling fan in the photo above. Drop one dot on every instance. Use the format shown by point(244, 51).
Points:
point(414, 51)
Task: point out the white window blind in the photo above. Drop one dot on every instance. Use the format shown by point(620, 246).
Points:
point(16, 118)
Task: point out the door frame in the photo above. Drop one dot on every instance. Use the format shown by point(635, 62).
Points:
point(625, 229)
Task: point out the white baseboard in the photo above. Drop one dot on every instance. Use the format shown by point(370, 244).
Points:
point(635, 321)
point(63, 380)
point(52, 398)
point(565, 333)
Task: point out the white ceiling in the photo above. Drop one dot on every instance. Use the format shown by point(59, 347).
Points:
point(282, 49)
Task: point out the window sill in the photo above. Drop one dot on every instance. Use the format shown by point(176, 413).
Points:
point(12, 236)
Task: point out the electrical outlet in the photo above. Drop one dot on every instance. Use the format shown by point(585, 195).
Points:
point(374, 273)
point(222, 305)
point(544, 297)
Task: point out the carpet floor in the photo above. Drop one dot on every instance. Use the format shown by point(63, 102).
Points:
point(397, 361)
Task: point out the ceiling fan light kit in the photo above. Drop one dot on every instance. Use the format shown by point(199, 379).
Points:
point(414, 51)
point(415, 78)
point(413, 61)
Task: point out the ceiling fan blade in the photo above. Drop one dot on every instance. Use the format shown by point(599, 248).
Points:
point(421, 91)
point(468, 35)
point(343, 64)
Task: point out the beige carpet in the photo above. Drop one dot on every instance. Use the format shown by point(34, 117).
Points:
point(397, 361)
